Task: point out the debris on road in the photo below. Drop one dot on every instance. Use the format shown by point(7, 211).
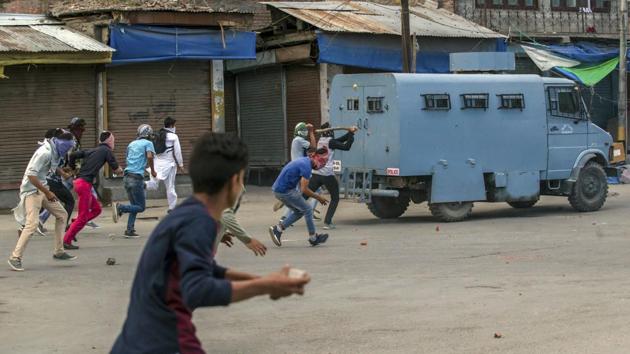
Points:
point(437, 228)
point(364, 243)
point(498, 335)
point(614, 194)
point(110, 261)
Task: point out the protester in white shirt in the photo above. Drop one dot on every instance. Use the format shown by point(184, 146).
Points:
point(168, 161)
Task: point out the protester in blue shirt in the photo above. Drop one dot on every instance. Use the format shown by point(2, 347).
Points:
point(298, 172)
point(177, 272)
point(140, 152)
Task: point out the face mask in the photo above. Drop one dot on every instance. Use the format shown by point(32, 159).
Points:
point(63, 146)
point(110, 141)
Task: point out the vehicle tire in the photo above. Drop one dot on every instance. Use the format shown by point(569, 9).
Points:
point(523, 204)
point(451, 212)
point(591, 188)
point(389, 208)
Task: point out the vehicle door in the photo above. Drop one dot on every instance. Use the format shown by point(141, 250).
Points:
point(567, 130)
point(377, 123)
point(351, 112)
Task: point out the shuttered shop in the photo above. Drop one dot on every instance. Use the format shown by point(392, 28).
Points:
point(303, 97)
point(262, 121)
point(231, 121)
point(150, 92)
point(37, 98)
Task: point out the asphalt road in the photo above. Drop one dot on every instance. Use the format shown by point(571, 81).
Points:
point(547, 280)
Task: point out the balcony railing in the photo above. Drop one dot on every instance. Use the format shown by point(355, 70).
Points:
point(543, 22)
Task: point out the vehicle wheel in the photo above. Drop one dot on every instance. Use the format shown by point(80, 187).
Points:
point(523, 204)
point(389, 208)
point(591, 188)
point(450, 212)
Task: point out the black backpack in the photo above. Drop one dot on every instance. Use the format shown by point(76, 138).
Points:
point(159, 141)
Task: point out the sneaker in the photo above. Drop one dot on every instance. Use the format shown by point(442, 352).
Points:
point(70, 246)
point(317, 239)
point(40, 230)
point(115, 212)
point(131, 234)
point(329, 226)
point(16, 264)
point(93, 225)
point(275, 234)
point(64, 257)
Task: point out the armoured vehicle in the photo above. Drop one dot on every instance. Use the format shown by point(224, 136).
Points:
point(455, 139)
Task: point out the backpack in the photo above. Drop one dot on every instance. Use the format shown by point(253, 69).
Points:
point(159, 142)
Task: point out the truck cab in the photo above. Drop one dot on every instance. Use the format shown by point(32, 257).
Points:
point(452, 140)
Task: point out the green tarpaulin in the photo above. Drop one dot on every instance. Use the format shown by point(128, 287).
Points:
point(592, 74)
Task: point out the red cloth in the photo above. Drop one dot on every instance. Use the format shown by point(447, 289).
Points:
point(89, 208)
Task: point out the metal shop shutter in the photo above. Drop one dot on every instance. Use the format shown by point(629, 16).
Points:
point(150, 92)
point(37, 98)
point(260, 97)
point(303, 98)
point(601, 104)
point(231, 120)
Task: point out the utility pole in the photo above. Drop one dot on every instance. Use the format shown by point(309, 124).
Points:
point(622, 109)
point(406, 36)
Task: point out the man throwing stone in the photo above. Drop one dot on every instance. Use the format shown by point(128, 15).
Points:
point(286, 191)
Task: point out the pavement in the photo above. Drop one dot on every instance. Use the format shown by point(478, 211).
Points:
point(543, 280)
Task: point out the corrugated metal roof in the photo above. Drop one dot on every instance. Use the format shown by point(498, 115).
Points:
point(47, 38)
point(366, 17)
point(7, 19)
point(84, 7)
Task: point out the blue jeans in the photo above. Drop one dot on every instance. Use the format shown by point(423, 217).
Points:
point(298, 208)
point(134, 185)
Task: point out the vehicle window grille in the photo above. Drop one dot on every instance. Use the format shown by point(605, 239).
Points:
point(564, 102)
point(512, 101)
point(475, 101)
point(437, 102)
point(375, 105)
point(352, 104)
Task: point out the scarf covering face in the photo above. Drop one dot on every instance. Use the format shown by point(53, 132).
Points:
point(109, 141)
point(319, 160)
point(63, 146)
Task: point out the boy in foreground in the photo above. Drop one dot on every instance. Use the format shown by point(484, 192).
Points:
point(177, 273)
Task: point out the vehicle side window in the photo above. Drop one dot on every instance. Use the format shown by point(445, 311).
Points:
point(437, 102)
point(352, 104)
point(375, 105)
point(475, 101)
point(564, 102)
point(512, 101)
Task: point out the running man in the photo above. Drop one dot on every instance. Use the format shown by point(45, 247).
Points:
point(92, 162)
point(34, 194)
point(140, 153)
point(177, 272)
point(168, 161)
point(298, 173)
point(326, 175)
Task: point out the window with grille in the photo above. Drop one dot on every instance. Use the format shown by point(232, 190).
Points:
point(375, 105)
point(512, 101)
point(437, 102)
point(507, 4)
point(564, 102)
point(475, 101)
point(352, 104)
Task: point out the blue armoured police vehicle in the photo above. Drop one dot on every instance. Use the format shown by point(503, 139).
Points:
point(452, 140)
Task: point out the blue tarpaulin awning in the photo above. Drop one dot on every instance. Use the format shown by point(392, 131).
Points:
point(381, 52)
point(137, 44)
point(585, 52)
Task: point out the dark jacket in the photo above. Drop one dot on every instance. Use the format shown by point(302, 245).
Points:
point(176, 274)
